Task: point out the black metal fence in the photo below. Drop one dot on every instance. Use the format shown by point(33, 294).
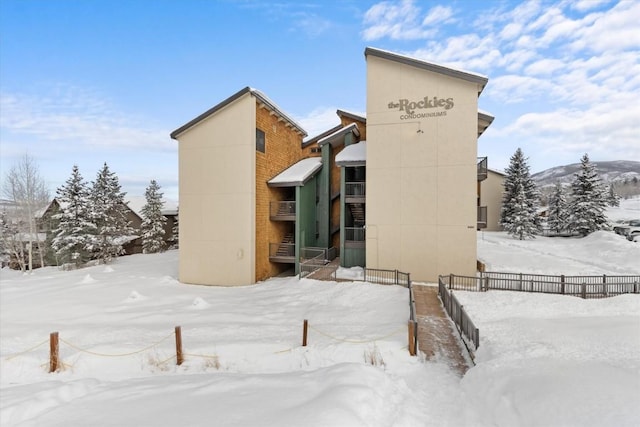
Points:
point(581, 286)
point(456, 312)
point(387, 277)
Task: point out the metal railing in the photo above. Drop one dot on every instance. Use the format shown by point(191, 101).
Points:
point(355, 189)
point(314, 261)
point(458, 315)
point(282, 250)
point(483, 168)
point(354, 234)
point(285, 210)
point(387, 277)
point(586, 287)
point(310, 252)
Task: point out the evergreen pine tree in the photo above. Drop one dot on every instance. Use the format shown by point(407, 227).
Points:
point(8, 233)
point(152, 220)
point(613, 199)
point(74, 228)
point(175, 230)
point(520, 199)
point(558, 213)
point(588, 200)
point(109, 212)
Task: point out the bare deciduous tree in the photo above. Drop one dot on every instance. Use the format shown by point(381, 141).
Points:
point(24, 186)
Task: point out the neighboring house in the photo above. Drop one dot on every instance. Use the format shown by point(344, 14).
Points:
point(132, 244)
point(397, 189)
point(169, 211)
point(490, 199)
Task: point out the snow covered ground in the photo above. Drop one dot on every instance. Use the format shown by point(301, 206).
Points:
point(544, 360)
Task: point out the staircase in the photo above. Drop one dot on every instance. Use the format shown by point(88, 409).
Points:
point(357, 211)
point(285, 246)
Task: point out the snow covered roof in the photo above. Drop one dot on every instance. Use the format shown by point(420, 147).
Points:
point(353, 155)
point(355, 116)
point(484, 121)
point(297, 174)
point(480, 79)
point(338, 135)
point(136, 203)
point(261, 98)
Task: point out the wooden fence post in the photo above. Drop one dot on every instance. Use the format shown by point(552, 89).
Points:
point(562, 284)
point(179, 355)
point(412, 337)
point(305, 326)
point(584, 290)
point(604, 284)
point(451, 281)
point(53, 352)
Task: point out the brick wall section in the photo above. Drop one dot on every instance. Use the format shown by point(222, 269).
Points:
point(283, 147)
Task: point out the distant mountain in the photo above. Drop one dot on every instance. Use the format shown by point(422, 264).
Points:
point(615, 172)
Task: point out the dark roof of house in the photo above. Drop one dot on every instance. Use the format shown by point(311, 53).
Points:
point(340, 133)
point(429, 66)
point(352, 116)
point(316, 138)
point(262, 98)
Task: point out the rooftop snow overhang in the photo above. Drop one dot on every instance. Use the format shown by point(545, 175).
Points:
point(317, 138)
point(337, 137)
point(353, 155)
point(352, 116)
point(484, 121)
point(262, 100)
point(297, 174)
point(478, 79)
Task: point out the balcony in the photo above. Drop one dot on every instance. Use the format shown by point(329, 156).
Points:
point(482, 168)
point(482, 217)
point(355, 191)
point(354, 237)
point(282, 211)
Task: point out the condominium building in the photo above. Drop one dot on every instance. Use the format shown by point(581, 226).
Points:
point(397, 188)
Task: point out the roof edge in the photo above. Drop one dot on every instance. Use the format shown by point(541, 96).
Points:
point(352, 127)
point(256, 93)
point(429, 66)
point(209, 112)
point(343, 113)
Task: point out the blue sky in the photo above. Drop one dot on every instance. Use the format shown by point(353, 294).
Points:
point(88, 82)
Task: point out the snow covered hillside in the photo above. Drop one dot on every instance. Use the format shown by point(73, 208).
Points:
point(610, 172)
point(544, 360)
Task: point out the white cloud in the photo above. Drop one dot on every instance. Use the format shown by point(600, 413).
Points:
point(310, 23)
point(584, 5)
point(319, 120)
point(401, 21)
point(614, 30)
point(544, 67)
point(76, 117)
point(438, 15)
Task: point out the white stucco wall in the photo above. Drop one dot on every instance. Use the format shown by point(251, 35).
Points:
point(217, 197)
point(491, 197)
point(421, 172)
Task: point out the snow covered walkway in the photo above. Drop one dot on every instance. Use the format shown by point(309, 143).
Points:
point(437, 337)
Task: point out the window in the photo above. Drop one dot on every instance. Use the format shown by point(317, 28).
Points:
point(260, 141)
